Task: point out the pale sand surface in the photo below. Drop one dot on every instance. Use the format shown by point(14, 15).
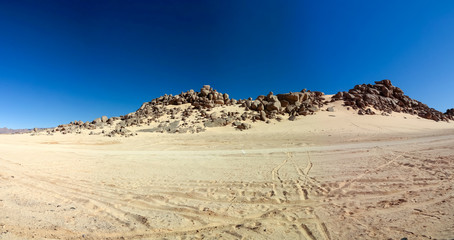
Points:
point(334, 175)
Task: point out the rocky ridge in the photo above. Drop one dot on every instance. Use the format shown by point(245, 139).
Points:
point(450, 113)
point(385, 97)
point(193, 112)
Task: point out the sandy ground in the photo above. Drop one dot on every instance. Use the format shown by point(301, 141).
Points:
point(334, 175)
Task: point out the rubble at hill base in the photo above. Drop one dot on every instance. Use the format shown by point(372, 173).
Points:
point(192, 111)
point(385, 97)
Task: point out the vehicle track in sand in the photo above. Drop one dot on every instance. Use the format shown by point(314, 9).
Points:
point(294, 192)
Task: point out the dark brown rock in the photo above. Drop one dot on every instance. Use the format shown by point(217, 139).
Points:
point(385, 97)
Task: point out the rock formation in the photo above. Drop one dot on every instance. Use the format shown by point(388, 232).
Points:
point(292, 104)
point(385, 97)
point(450, 113)
point(193, 112)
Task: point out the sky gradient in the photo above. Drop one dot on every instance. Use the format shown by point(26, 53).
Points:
point(62, 61)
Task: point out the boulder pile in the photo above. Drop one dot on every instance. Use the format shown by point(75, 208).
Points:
point(193, 112)
point(385, 97)
point(293, 104)
point(201, 103)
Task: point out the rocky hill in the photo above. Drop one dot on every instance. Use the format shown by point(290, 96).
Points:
point(194, 111)
point(385, 97)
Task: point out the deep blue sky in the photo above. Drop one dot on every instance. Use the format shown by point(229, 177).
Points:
point(78, 60)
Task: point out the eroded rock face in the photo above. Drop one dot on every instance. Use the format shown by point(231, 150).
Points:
point(387, 98)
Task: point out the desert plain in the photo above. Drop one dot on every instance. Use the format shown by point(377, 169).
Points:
point(333, 175)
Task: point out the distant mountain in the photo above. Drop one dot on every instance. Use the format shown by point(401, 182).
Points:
point(9, 131)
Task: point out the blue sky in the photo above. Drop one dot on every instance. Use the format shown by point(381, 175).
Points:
point(62, 61)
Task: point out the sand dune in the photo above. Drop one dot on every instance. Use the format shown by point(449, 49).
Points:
point(333, 175)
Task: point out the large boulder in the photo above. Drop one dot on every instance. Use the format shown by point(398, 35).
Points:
point(273, 106)
point(289, 97)
point(243, 126)
point(97, 120)
point(218, 122)
point(262, 115)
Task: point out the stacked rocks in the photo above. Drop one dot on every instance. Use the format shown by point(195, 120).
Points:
point(385, 97)
point(206, 98)
point(263, 108)
point(200, 104)
point(191, 111)
point(294, 104)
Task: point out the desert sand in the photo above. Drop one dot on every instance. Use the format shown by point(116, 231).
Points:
point(333, 175)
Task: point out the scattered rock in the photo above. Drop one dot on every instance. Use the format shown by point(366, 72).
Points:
point(218, 122)
point(243, 126)
point(120, 130)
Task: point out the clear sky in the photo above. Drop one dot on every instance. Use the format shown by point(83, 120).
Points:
point(62, 61)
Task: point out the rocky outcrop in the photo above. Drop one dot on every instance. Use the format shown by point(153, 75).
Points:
point(293, 103)
point(385, 97)
point(450, 113)
point(193, 112)
point(207, 98)
point(201, 103)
